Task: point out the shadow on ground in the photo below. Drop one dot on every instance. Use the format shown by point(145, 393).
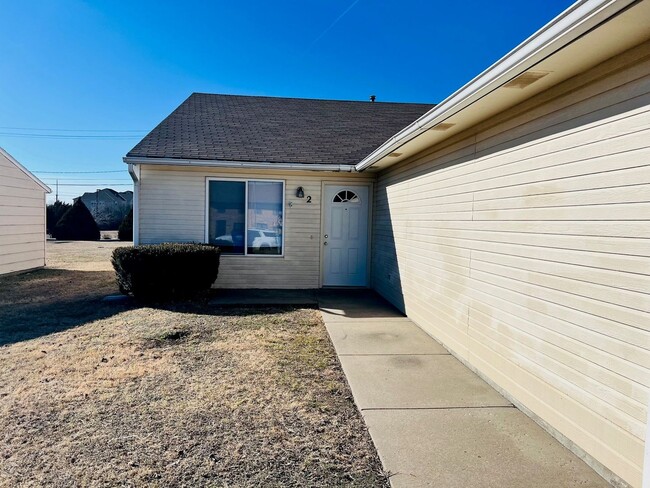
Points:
point(51, 300)
point(343, 302)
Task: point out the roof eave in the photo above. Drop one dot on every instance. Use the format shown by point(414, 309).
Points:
point(570, 25)
point(45, 188)
point(218, 163)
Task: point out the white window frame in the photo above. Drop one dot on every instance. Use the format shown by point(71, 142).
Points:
point(206, 237)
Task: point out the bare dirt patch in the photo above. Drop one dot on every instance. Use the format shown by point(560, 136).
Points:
point(184, 395)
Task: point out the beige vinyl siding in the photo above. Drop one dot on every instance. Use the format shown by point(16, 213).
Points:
point(524, 246)
point(172, 205)
point(22, 220)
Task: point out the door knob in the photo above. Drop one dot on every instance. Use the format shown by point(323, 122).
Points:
point(326, 236)
point(325, 243)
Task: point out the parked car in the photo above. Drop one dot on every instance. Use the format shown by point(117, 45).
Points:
point(260, 241)
point(264, 241)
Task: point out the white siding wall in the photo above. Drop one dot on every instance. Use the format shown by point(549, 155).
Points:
point(22, 220)
point(172, 209)
point(524, 246)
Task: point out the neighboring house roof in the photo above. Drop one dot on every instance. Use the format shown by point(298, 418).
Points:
point(127, 196)
point(25, 170)
point(275, 130)
point(108, 195)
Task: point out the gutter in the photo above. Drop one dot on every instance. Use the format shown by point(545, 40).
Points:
point(217, 163)
point(571, 24)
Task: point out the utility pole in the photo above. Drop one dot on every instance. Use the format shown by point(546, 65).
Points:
point(57, 190)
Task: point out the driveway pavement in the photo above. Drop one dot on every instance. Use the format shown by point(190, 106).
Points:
point(433, 421)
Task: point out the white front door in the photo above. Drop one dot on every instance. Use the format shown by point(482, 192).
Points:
point(345, 239)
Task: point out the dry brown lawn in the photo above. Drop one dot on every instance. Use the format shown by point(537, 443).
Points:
point(104, 394)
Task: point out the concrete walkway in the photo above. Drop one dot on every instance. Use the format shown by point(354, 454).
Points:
point(433, 421)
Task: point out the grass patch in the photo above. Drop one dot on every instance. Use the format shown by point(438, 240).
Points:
point(183, 396)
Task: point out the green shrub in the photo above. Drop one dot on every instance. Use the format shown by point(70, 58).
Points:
point(165, 271)
point(125, 232)
point(77, 224)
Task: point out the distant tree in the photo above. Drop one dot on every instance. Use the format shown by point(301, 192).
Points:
point(77, 224)
point(108, 215)
point(54, 212)
point(125, 232)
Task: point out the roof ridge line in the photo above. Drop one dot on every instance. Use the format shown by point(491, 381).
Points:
point(311, 99)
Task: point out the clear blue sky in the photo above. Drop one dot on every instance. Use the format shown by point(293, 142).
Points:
point(94, 70)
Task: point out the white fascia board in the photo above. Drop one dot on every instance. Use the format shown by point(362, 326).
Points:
point(45, 188)
point(571, 24)
point(339, 168)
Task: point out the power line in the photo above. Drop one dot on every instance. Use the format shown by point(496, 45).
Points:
point(93, 186)
point(78, 172)
point(66, 136)
point(73, 130)
point(69, 178)
point(78, 193)
point(86, 181)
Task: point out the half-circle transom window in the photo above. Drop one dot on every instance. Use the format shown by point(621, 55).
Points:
point(345, 196)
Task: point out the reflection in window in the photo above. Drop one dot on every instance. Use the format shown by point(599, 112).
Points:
point(226, 216)
point(264, 217)
point(233, 221)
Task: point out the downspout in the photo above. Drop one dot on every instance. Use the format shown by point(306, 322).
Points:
point(134, 171)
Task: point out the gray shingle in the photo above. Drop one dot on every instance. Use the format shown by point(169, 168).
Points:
point(287, 130)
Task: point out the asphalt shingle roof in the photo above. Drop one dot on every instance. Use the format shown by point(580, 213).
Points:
point(286, 130)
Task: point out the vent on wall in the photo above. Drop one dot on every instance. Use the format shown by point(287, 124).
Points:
point(526, 79)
